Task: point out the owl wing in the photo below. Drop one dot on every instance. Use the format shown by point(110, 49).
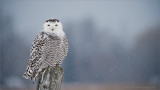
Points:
point(35, 57)
point(65, 41)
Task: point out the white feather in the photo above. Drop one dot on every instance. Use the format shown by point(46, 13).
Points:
point(58, 30)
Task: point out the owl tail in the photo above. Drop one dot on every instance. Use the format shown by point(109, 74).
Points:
point(30, 74)
point(26, 76)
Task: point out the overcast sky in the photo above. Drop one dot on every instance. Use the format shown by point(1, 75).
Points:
point(136, 16)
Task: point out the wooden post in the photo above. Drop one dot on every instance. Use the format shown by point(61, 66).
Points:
point(50, 78)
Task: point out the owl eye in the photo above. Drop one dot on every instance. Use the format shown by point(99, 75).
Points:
point(48, 25)
point(57, 20)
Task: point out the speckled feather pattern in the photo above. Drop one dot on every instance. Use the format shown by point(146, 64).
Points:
point(47, 49)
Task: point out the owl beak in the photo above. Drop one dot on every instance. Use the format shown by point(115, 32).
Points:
point(52, 29)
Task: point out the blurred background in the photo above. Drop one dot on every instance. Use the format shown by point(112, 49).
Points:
point(113, 44)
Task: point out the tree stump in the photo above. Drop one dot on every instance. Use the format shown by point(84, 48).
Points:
point(50, 78)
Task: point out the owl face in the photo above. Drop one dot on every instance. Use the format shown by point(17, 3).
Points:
point(52, 25)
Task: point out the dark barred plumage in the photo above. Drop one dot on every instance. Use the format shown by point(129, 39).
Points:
point(52, 20)
point(47, 49)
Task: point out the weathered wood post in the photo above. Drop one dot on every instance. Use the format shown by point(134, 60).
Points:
point(50, 78)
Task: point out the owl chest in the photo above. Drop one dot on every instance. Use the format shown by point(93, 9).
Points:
point(52, 46)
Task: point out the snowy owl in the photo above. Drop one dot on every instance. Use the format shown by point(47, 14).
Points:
point(49, 48)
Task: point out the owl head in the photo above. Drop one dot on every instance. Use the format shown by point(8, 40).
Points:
point(52, 26)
